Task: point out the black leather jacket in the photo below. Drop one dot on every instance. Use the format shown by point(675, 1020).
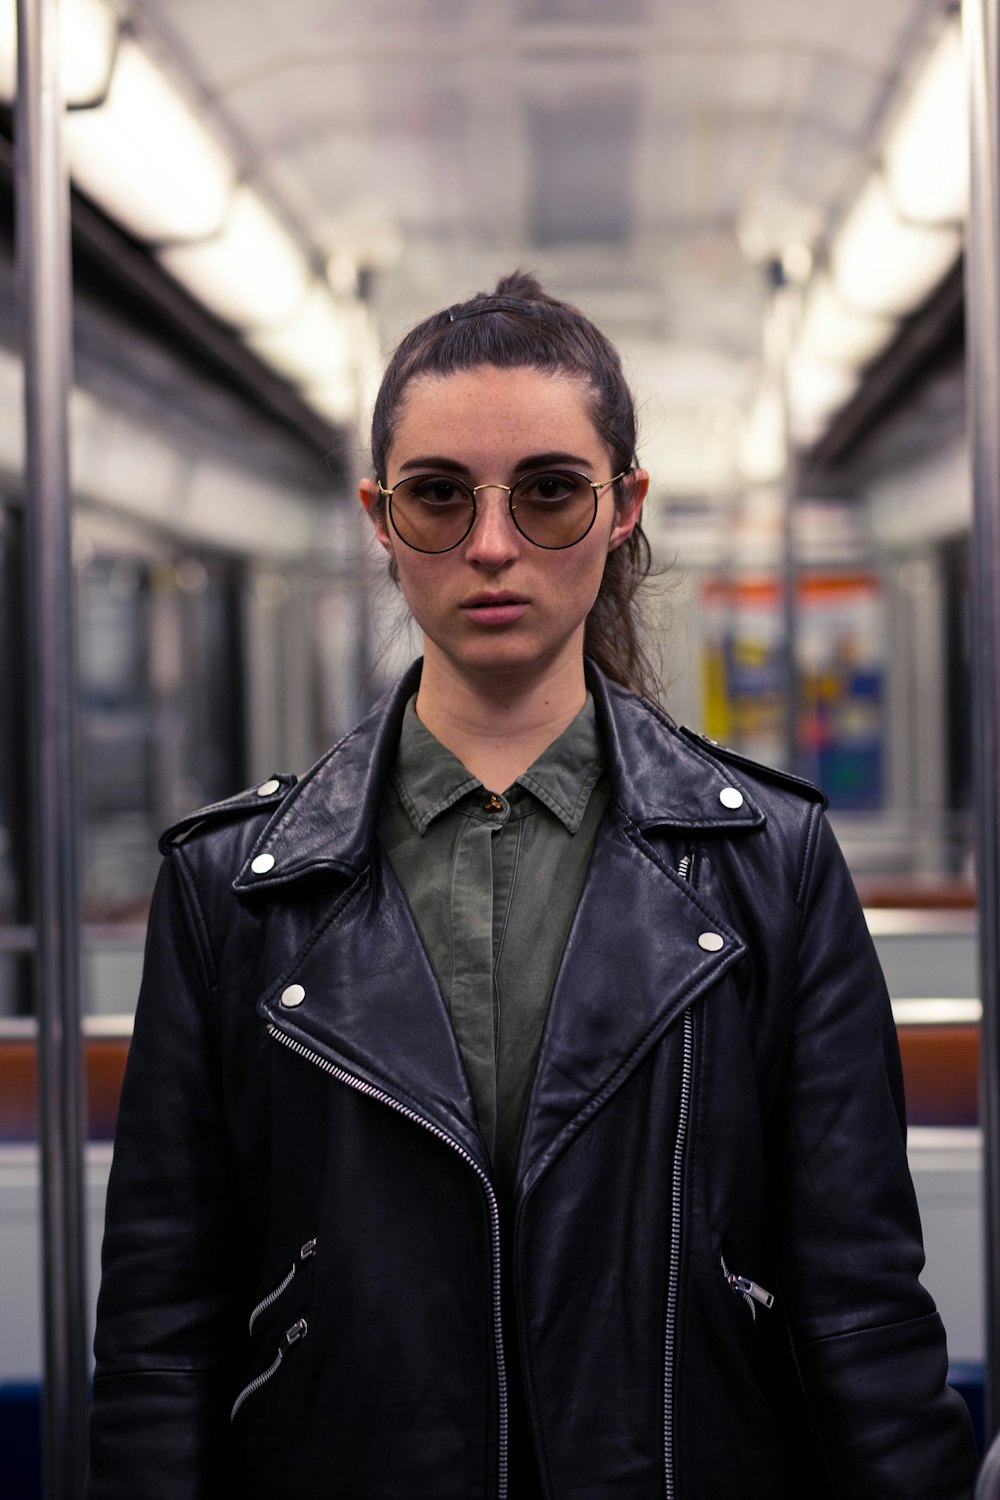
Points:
point(302, 1228)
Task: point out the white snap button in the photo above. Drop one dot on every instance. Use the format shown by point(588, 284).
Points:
point(268, 788)
point(711, 942)
point(262, 864)
point(294, 995)
point(730, 796)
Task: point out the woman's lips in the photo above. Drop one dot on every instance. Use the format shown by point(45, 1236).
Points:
point(498, 609)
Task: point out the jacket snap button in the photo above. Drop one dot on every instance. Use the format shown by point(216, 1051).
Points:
point(268, 788)
point(711, 942)
point(730, 796)
point(262, 864)
point(294, 995)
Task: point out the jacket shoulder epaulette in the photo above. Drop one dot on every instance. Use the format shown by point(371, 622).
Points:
point(266, 794)
point(798, 784)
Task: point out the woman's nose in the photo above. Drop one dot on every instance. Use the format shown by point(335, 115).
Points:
point(494, 539)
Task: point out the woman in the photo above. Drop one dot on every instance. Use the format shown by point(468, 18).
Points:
point(514, 1107)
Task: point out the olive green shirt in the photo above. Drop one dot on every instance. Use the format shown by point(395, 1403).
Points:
point(493, 882)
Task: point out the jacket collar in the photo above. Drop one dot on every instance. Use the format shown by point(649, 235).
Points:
point(328, 821)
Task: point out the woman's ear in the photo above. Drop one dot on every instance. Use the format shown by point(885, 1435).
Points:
point(371, 495)
point(627, 514)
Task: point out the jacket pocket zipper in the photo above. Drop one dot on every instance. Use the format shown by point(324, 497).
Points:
point(306, 1253)
point(298, 1331)
point(370, 1092)
point(753, 1294)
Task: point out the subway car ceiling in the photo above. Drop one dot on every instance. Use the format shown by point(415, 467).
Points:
point(173, 422)
point(284, 189)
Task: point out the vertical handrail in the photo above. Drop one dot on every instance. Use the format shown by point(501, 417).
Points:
point(979, 25)
point(42, 205)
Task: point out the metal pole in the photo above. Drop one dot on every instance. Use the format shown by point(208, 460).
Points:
point(42, 206)
point(979, 20)
point(783, 319)
point(789, 595)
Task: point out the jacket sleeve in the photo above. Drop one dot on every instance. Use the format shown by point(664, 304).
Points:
point(867, 1339)
point(165, 1310)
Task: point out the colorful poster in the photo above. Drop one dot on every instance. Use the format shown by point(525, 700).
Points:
point(841, 669)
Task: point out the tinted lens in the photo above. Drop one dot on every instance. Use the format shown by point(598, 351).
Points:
point(555, 508)
point(432, 512)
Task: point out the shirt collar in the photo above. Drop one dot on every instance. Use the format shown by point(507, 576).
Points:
point(429, 778)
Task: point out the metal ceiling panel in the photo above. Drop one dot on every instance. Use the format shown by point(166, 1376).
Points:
point(581, 156)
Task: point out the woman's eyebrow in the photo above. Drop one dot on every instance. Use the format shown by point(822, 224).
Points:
point(544, 460)
point(435, 461)
point(523, 466)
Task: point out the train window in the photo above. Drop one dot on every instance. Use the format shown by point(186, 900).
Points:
point(958, 684)
point(118, 736)
point(161, 680)
point(15, 935)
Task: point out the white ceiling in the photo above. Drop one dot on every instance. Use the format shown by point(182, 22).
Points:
point(623, 148)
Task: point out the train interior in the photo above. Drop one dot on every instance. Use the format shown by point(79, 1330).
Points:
point(762, 203)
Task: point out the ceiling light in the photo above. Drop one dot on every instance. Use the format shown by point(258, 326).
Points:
point(815, 391)
point(251, 274)
point(763, 451)
point(927, 155)
point(87, 32)
point(145, 157)
point(881, 265)
point(313, 346)
point(336, 399)
point(835, 333)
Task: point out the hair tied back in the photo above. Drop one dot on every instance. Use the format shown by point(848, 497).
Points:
point(491, 305)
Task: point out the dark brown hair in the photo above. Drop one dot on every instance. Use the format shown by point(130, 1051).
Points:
point(520, 327)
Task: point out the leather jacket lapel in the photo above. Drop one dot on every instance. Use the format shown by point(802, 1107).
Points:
point(643, 946)
point(371, 1006)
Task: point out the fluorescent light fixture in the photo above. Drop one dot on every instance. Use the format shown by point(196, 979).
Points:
point(313, 346)
point(927, 155)
point(763, 453)
point(837, 334)
point(252, 274)
point(336, 399)
point(815, 391)
point(146, 158)
point(87, 31)
point(881, 265)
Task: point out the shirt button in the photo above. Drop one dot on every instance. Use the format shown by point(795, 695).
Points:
point(711, 942)
point(292, 996)
point(262, 864)
point(268, 788)
point(493, 803)
point(731, 796)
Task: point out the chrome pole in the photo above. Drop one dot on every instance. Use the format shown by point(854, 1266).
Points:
point(979, 24)
point(42, 208)
point(784, 315)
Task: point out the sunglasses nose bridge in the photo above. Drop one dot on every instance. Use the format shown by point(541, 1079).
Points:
point(491, 486)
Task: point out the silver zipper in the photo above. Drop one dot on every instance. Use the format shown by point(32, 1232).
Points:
point(673, 1279)
point(370, 1092)
point(298, 1330)
point(752, 1293)
point(308, 1250)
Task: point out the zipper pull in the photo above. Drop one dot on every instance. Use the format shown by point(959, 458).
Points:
point(752, 1293)
point(298, 1330)
point(308, 1250)
point(749, 1288)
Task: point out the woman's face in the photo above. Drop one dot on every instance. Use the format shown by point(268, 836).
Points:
point(497, 603)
